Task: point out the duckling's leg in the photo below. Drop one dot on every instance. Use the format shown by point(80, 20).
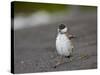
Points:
point(69, 57)
point(59, 62)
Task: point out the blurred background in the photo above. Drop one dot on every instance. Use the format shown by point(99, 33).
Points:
point(35, 31)
point(35, 14)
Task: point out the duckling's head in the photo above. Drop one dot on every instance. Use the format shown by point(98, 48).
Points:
point(62, 29)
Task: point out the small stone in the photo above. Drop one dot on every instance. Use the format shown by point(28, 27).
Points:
point(22, 62)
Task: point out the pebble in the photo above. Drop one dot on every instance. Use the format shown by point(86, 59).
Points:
point(22, 62)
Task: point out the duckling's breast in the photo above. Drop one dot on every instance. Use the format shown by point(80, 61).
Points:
point(63, 45)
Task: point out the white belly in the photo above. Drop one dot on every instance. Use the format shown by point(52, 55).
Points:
point(63, 45)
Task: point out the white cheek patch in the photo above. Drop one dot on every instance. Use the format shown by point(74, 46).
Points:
point(64, 30)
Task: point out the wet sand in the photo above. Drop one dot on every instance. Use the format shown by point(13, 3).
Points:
point(35, 47)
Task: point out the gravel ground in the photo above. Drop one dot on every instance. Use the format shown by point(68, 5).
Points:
point(35, 47)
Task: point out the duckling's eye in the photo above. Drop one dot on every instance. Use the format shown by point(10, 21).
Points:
point(61, 26)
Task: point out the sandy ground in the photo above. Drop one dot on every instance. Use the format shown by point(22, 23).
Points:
point(35, 47)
